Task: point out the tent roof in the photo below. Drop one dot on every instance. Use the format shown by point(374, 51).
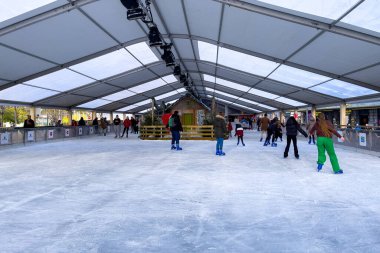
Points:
point(86, 54)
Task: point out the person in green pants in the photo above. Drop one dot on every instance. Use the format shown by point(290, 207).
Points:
point(325, 130)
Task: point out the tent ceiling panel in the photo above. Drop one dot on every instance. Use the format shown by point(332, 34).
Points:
point(12, 12)
point(191, 66)
point(279, 88)
point(370, 75)
point(158, 91)
point(3, 82)
point(205, 17)
point(97, 90)
point(237, 77)
point(24, 93)
point(184, 48)
point(94, 104)
point(310, 96)
point(277, 37)
point(338, 54)
point(328, 10)
point(366, 16)
point(206, 68)
point(12, 60)
point(174, 20)
point(61, 80)
point(161, 69)
point(72, 34)
point(69, 99)
point(111, 15)
point(112, 106)
point(133, 79)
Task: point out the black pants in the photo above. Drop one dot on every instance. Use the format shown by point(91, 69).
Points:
point(240, 138)
point(288, 140)
point(126, 129)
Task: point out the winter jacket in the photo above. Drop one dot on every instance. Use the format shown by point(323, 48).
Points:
point(177, 126)
point(220, 128)
point(127, 123)
point(117, 121)
point(82, 122)
point(264, 124)
point(292, 128)
point(239, 132)
point(317, 128)
point(103, 124)
point(310, 124)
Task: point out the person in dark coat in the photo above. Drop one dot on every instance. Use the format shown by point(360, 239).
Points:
point(271, 132)
point(175, 127)
point(220, 130)
point(81, 122)
point(292, 129)
point(29, 123)
point(95, 123)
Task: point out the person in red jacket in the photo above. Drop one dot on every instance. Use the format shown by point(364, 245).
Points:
point(127, 124)
point(239, 133)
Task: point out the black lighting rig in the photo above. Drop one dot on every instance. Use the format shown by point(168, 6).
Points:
point(137, 10)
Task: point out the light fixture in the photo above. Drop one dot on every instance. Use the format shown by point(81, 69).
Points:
point(168, 56)
point(134, 10)
point(154, 36)
point(177, 70)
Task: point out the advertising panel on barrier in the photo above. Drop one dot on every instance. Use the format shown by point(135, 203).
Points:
point(80, 131)
point(50, 134)
point(91, 130)
point(108, 129)
point(4, 138)
point(30, 135)
point(362, 139)
point(67, 132)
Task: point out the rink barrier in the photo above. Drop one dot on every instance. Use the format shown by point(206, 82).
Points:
point(190, 132)
point(364, 138)
point(14, 136)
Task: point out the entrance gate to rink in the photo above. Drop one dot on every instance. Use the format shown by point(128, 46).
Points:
point(13, 136)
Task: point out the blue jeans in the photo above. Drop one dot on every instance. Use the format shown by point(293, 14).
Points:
point(175, 137)
point(219, 143)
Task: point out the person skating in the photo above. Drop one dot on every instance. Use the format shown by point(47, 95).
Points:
point(310, 126)
point(175, 128)
point(220, 130)
point(127, 124)
point(264, 124)
point(116, 125)
point(239, 133)
point(271, 132)
point(292, 128)
point(325, 130)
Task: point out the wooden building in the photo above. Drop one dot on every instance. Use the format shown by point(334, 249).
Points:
point(191, 111)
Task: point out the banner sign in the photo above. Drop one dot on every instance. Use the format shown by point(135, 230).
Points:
point(4, 138)
point(80, 131)
point(67, 132)
point(91, 130)
point(363, 139)
point(30, 135)
point(50, 134)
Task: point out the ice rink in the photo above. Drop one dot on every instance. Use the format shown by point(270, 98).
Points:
point(103, 194)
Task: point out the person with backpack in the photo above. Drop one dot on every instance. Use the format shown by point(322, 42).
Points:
point(292, 129)
point(175, 128)
point(325, 130)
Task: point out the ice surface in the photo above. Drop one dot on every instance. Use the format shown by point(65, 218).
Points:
point(103, 194)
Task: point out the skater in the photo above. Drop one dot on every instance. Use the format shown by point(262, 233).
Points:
point(239, 133)
point(258, 124)
point(310, 126)
point(81, 122)
point(220, 130)
point(229, 128)
point(116, 125)
point(103, 125)
point(175, 127)
point(127, 124)
point(264, 124)
point(271, 132)
point(95, 123)
point(325, 130)
point(292, 128)
point(29, 123)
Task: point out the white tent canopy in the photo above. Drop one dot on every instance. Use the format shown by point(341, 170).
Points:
point(263, 55)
